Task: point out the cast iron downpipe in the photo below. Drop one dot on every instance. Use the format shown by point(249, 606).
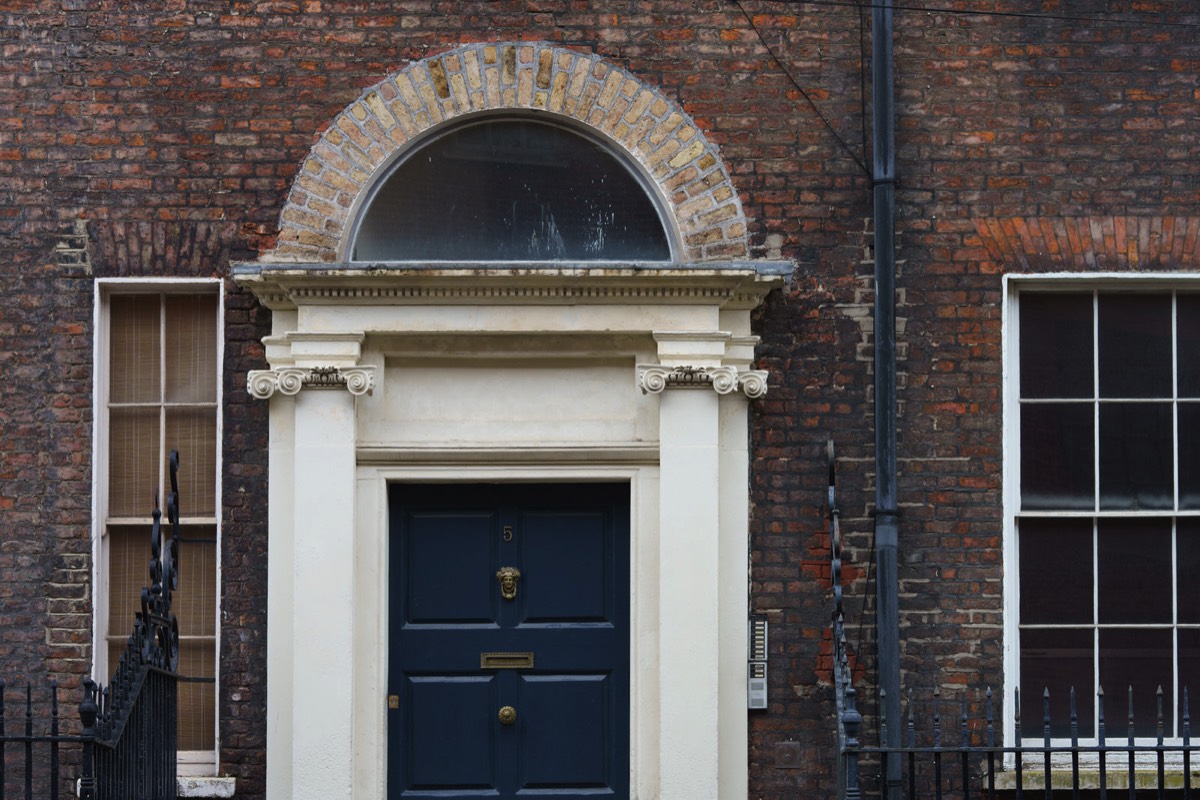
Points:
point(887, 616)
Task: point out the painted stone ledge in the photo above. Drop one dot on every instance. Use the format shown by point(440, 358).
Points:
point(204, 787)
point(365, 138)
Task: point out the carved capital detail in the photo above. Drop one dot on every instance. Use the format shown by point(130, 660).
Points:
point(723, 380)
point(263, 383)
point(753, 383)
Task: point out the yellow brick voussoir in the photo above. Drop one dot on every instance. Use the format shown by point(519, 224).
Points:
point(380, 110)
point(720, 214)
point(686, 155)
point(559, 93)
point(347, 157)
point(430, 102)
point(612, 85)
point(472, 70)
point(640, 104)
point(458, 90)
point(408, 93)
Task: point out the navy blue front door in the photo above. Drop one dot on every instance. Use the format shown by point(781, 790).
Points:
point(508, 670)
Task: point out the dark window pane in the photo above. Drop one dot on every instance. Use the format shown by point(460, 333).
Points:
point(1056, 571)
point(1189, 455)
point(1056, 345)
point(1140, 659)
point(1187, 557)
point(1134, 339)
point(512, 191)
point(1057, 456)
point(1056, 660)
point(1134, 570)
point(1187, 333)
point(1136, 456)
point(1189, 672)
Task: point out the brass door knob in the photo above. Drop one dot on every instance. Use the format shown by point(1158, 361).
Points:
point(507, 715)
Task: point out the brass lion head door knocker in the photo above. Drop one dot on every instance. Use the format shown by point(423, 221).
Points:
point(508, 577)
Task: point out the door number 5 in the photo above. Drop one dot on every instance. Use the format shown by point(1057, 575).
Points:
point(508, 533)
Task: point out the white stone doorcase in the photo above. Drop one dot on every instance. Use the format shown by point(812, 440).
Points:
point(383, 372)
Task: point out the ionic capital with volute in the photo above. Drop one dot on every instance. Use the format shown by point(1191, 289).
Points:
point(703, 360)
point(312, 360)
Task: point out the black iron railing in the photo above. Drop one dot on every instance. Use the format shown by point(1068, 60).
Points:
point(126, 741)
point(29, 751)
point(129, 727)
point(841, 666)
point(963, 758)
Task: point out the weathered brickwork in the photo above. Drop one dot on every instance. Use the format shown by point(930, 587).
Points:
point(1100, 243)
point(180, 136)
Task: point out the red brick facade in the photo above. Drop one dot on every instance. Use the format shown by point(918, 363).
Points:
point(1032, 137)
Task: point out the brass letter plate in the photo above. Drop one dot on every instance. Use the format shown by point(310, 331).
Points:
point(506, 660)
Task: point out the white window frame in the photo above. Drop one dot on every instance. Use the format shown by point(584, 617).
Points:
point(1013, 285)
point(190, 762)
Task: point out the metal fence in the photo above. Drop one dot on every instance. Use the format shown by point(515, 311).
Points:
point(126, 744)
point(134, 720)
point(31, 750)
point(841, 667)
point(129, 748)
point(961, 757)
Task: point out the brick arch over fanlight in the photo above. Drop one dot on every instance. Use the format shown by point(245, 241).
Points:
point(356, 150)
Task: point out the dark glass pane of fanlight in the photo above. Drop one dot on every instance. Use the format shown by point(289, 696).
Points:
point(1133, 558)
point(1057, 456)
point(1187, 347)
point(1136, 456)
point(1056, 660)
point(1134, 338)
point(1141, 659)
point(1056, 571)
point(512, 191)
point(1056, 345)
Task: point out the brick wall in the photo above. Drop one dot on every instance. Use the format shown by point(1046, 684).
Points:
point(173, 131)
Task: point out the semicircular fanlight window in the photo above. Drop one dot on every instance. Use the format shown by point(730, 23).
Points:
point(511, 190)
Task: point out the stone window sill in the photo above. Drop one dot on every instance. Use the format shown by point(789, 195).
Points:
point(205, 787)
point(193, 786)
point(1115, 778)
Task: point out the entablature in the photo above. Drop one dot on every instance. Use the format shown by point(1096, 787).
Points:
point(735, 285)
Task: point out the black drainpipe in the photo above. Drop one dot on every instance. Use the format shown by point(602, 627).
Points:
point(887, 616)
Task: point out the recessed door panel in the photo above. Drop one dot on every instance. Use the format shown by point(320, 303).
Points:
point(566, 744)
point(569, 578)
point(508, 671)
point(449, 590)
point(448, 722)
